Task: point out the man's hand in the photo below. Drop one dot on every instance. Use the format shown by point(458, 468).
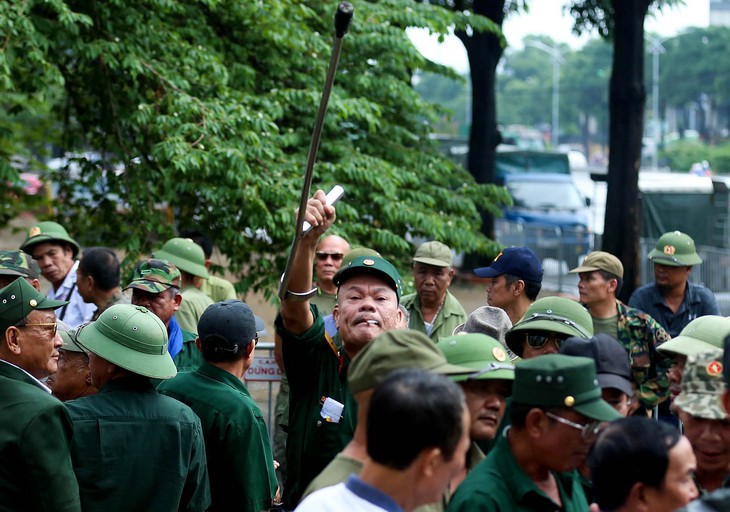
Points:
point(319, 215)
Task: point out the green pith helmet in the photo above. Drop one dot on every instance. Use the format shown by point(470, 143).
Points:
point(18, 263)
point(185, 255)
point(48, 232)
point(675, 249)
point(155, 276)
point(551, 314)
point(703, 386)
point(557, 380)
point(372, 265)
point(482, 353)
point(131, 337)
point(701, 334)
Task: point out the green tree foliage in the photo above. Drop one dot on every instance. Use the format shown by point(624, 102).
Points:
point(206, 106)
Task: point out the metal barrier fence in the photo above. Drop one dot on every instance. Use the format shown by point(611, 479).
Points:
point(262, 380)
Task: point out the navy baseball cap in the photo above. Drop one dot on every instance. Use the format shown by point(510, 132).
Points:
point(516, 261)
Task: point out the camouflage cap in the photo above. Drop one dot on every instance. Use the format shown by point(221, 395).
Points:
point(675, 249)
point(185, 255)
point(701, 334)
point(48, 232)
point(18, 263)
point(703, 386)
point(155, 276)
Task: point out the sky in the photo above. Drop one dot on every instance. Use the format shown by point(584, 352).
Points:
point(546, 18)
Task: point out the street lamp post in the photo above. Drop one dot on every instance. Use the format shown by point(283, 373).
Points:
point(655, 48)
point(557, 58)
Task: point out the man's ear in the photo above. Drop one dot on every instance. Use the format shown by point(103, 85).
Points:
point(429, 460)
point(11, 343)
point(177, 301)
point(536, 422)
point(638, 498)
point(197, 343)
point(336, 316)
point(518, 287)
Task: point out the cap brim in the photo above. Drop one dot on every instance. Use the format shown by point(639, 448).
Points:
point(452, 370)
point(8, 272)
point(697, 405)
point(513, 335)
point(50, 303)
point(587, 268)
point(156, 366)
point(149, 286)
point(599, 410)
point(508, 375)
point(674, 261)
point(611, 380)
point(432, 261)
point(69, 344)
point(260, 326)
point(487, 272)
point(685, 346)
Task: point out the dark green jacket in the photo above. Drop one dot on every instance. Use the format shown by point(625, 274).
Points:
point(237, 446)
point(189, 358)
point(35, 442)
point(315, 371)
point(498, 483)
point(135, 449)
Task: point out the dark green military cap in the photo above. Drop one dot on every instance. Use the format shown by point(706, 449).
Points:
point(551, 314)
point(131, 337)
point(357, 253)
point(155, 276)
point(48, 232)
point(370, 265)
point(557, 380)
point(18, 263)
point(701, 334)
point(395, 350)
point(185, 255)
point(18, 299)
point(675, 249)
point(483, 354)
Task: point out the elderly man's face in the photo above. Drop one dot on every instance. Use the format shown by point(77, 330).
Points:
point(73, 377)
point(710, 440)
point(330, 252)
point(163, 304)
point(55, 261)
point(678, 488)
point(486, 401)
point(366, 307)
point(431, 282)
point(565, 446)
point(537, 343)
point(39, 343)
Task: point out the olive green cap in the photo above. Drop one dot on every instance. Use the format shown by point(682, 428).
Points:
point(131, 337)
point(703, 386)
point(483, 354)
point(18, 299)
point(18, 263)
point(599, 260)
point(557, 380)
point(372, 265)
point(155, 276)
point(551, 314)
point(70, 340)
point(433, 253)
point(185, 255)
point(48, 232)
point(395, 350)
point(701, 334)
point(357, 253)
point(675, 249)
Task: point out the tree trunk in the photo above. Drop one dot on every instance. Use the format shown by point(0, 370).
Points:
point(627, 98)
point(484, 51)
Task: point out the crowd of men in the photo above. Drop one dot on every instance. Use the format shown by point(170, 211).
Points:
point(130, 394)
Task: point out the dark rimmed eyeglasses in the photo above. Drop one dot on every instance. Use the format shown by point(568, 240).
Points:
point(48, 324)
point(539, 340)
point(336, 256)
point(589, 429)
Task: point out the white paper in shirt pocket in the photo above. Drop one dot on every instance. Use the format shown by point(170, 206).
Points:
point(331, 410)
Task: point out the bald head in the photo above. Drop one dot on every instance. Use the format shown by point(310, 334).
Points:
point(330, 251)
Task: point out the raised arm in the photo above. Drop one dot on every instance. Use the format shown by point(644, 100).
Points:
point(295, 312)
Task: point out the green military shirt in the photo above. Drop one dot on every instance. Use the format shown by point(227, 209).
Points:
point(135, 449)
point(238, 451)
point(450, 316)
point(191, 308)
point(499, 484)
point(35, 447)
point(190, 357)
point(324, 301)
point(316, 371)
point(218, 289)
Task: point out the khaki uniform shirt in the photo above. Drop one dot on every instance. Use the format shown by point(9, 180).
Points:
point(450, 316)
point(192, 306)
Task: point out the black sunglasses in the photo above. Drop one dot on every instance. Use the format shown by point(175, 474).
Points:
point(336, 256)
point(540, 340)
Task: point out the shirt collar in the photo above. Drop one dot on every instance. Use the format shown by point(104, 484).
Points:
point(40, 384)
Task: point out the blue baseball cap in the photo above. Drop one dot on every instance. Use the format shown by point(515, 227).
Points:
point(516, 261)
